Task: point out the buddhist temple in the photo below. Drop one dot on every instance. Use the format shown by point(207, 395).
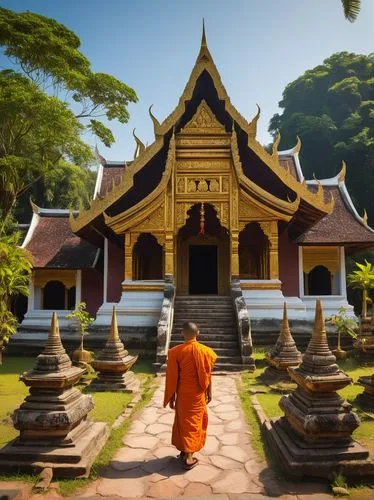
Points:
point(202, 206)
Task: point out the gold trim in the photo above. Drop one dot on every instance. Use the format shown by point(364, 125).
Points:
point(142, 288)
point(283, 206)
point(128, 219)
point(260, 286)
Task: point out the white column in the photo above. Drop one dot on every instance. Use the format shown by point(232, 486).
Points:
point(105, 285)
point(78, 288)
point(301, 272)
point(343, 282)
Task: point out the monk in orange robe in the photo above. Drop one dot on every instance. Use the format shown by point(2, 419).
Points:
point(188, 390)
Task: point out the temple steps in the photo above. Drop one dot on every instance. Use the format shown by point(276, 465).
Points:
point(216, 320)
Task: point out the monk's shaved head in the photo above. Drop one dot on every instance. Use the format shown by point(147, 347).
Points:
point(190, 330)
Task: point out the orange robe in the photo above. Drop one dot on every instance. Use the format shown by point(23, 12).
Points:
point(188, 376)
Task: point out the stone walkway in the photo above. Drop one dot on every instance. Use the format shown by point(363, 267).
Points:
point(147, 467)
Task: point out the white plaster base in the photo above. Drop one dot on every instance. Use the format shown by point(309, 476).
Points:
point(268, 304)
point(41, 319)
point(330, 304)
point(135, 308)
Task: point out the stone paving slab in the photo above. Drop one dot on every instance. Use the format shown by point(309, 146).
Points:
point(147, 466)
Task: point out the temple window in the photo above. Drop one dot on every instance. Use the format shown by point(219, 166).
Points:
point(54, 295)
point(54, 289)
point(147, 258)
point(321, 271)
point(319, 281)
point(253, 253)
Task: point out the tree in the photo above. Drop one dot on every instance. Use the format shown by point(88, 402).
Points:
point(15, 269)
point(351, 9)
point(331, 108)
point(363, 279)
point(48, 99)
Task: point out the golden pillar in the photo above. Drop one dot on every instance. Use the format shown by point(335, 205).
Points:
point(169, 254)
point(273, 251)
point(234, 253)
point(271, 230)
point(128, 256)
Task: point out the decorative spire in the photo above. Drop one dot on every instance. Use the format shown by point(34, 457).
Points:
point(114, 336)
point(203, 36)
point(139, 145)
point(285, 332)
point(342, 173)
point(318, 358)
point(54, 345)
point(297, 147)
point(99, 157)
point(156, 123)
point(275, 145)
point(252, 125)
point(365, 218)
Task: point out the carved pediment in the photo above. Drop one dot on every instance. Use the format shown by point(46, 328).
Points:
point(251, 212)
point(204, 122)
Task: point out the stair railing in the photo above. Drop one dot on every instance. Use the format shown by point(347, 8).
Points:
point(243, 324)
point(165, 323)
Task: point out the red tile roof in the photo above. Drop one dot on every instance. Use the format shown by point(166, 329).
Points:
point(53, 245)
point(342, 226)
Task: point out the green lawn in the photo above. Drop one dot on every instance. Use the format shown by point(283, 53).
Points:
point(13, 391)
point(269, 401)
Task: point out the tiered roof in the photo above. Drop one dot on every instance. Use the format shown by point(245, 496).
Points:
point(52, 244)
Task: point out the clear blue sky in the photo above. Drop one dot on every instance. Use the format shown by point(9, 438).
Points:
point(258, 46)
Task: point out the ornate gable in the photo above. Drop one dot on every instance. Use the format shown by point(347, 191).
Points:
point(204, 122)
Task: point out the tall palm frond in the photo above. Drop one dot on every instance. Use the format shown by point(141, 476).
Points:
point(351, 9)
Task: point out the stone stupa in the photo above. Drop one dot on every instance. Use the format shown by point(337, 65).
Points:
point(54, 429)
point(285, 353)
point(366, 398)
point(113, 365)
point(314, 438)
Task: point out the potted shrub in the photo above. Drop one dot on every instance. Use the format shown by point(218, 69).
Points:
point(363, 278)
point(84, 321)
point(343, 324)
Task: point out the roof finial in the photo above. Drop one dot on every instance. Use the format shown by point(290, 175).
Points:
point(274, 153)
point(203, 36)
point(343, 171)
point(365, 218)
point(156, 123)
point(252, 125)
point(139, 145)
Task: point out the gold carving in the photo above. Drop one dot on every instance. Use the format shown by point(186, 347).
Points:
point(202, 186)
point(155, 221)
point(203, 119)
point(214, 186)
point(180, 185)
point(191, 186)
point(225, 184)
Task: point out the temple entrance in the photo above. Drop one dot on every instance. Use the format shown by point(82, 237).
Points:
point(203, 254)
point(203, 272)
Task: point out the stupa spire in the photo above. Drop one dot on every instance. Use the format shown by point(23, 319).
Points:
point(203, 36)
point(285, 353)
point(114, 336)
point(54, 346)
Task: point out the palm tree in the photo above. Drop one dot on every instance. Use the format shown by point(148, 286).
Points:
point(363, 278)
point(15, 269)
point(351, 9)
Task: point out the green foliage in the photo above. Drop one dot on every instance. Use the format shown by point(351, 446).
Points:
point(331, 108)
point(83, 319)
point(15, 269)
point(363, 279)
point(40, 135)
point(351, 9)
point(344, 324)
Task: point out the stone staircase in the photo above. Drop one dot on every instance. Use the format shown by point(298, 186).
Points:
point(214, 315)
